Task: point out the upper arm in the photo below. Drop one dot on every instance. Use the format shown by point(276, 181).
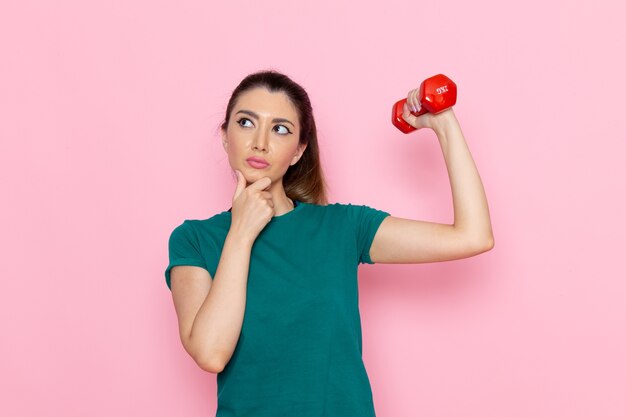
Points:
point(399, 240)
point(364, 220)
point(190, 287)
point(188, 278)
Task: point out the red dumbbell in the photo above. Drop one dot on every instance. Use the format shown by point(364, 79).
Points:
point(437, 93)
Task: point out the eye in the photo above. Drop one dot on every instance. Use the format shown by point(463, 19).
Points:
point(288, 132)
point(243, 118)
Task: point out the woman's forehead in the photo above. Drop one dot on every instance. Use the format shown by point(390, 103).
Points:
point(266, 103)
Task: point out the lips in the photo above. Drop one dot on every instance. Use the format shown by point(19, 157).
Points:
point(257, 162)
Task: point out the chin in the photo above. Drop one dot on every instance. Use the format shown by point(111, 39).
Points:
point(253, 174)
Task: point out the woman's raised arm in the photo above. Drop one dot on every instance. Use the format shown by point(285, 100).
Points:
point(401, 240)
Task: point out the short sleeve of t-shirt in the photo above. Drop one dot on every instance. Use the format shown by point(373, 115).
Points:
point(184, 249)
point(365, 221)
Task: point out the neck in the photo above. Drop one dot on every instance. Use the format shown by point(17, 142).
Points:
point(284, 207)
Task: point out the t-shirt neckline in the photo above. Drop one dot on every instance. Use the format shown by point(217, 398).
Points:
point(297, 206)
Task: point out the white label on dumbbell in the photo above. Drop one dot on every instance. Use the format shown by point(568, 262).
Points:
point(442, 89)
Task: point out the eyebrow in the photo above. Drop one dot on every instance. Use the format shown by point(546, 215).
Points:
point(256, 116)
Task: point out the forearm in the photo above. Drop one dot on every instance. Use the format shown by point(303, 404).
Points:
point(217, 325)
point(471, 212)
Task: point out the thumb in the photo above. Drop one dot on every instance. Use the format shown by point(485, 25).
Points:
point(408, 116)
point(241, 184)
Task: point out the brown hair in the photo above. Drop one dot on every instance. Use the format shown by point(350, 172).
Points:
point(304, 180)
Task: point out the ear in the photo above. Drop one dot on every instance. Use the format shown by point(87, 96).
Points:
point(298, 155)
point(224, 140)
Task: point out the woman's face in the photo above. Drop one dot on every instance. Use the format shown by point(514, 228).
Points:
point(263, 125)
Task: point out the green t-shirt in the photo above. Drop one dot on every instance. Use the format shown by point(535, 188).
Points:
point(299, 352)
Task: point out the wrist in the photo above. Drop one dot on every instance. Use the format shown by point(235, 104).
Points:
point(444, 122)
point(239, 238)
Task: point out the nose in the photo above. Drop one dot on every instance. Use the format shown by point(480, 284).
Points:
point(260, 141)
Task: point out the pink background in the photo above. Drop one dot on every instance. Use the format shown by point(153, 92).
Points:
point(108, 127)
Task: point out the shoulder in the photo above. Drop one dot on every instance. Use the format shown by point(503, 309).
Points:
point(356, 209)
point(353, 213)
point(325, 209)
point(337, 206)
point(199, 226)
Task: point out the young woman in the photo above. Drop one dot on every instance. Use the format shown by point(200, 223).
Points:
point(266, 292)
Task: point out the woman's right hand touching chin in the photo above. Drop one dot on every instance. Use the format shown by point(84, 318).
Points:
point(252, 208)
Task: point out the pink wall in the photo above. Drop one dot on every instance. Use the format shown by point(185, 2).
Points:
point(108, 118)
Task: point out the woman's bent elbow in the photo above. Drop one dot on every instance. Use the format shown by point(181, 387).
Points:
point(210, 365)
